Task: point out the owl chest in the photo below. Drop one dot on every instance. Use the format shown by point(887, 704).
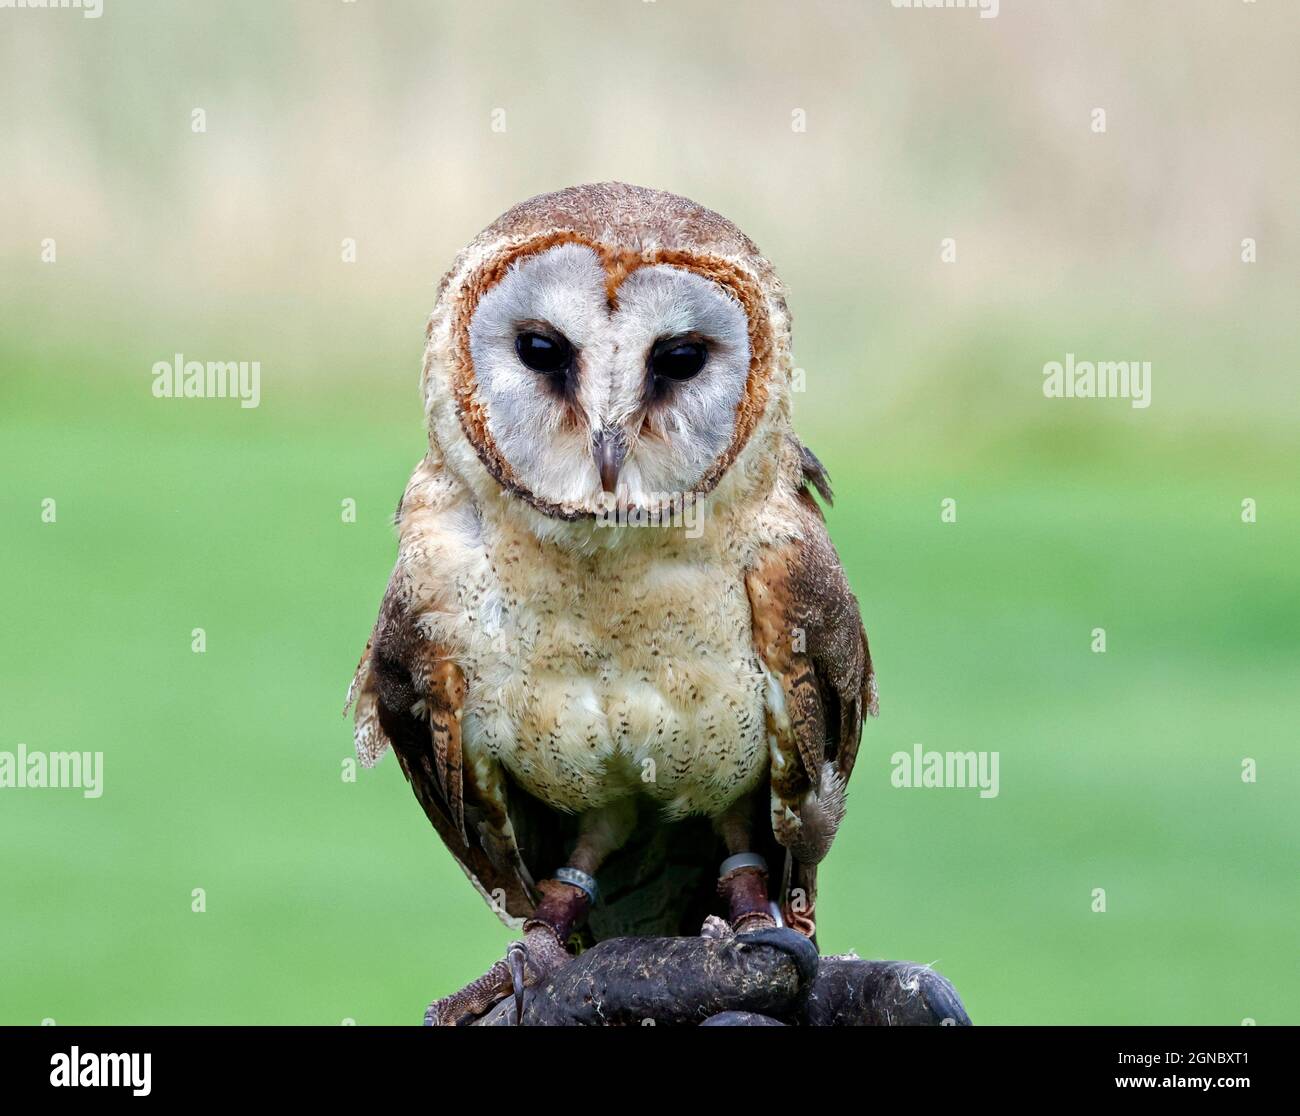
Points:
point(641, 683)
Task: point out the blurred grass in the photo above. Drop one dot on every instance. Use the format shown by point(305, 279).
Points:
point(329, 900)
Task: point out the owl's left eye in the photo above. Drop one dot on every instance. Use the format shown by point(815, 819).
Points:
point(548, 355)
point(678, 358)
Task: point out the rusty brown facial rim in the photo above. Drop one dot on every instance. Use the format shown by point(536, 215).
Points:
point(619, 263)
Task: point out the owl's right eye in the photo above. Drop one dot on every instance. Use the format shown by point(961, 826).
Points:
point(550, 355)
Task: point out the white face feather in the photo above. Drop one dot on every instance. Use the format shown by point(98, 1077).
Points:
point(673, 430)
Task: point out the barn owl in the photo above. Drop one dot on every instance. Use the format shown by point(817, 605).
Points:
point(618, 659)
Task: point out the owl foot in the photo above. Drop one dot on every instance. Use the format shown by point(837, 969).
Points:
point(527, 963)
point(473, 1001)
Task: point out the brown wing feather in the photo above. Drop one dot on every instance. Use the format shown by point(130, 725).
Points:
point(809, 634)
point(409, 693)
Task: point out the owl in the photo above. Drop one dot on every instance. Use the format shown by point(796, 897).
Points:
point(618, 659)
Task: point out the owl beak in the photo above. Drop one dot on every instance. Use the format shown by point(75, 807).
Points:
point(609, 449)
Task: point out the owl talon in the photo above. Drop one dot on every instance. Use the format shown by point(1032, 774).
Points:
point(517, 959)
point(790, 942)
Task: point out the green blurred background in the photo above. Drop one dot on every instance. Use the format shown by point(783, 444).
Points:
point(330, 900)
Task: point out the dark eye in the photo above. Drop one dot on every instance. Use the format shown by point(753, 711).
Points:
point(675, 359)
point(549, 355)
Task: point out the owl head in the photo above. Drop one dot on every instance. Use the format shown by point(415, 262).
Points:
point(608, 345)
